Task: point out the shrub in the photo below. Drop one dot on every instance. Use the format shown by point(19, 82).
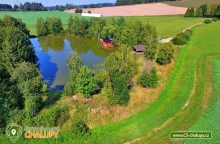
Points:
point(207, 21)
point(149, 80)
point(150, 52)
point(78, 123)
point(78, 11)
point(54, 25)
point(165, 54)
point(218, 11)
point(187, 34)
point(41, 26)
point(53, 116)
point(120, 90)
point(32, 105)
point(190, 12)
point(79, 128)
point(215, 19)
point(74, 64)
point(180, 39)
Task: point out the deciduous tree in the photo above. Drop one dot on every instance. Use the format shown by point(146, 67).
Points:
point(86, 82)
point(41, 27)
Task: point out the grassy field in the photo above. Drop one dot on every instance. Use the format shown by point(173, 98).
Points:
point(30, 18)
point(203, 49)
point(166, 26)
point(191, 3)
point(209, 121)
point(179, 106)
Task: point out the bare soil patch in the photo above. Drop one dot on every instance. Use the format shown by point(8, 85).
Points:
point(154, 9)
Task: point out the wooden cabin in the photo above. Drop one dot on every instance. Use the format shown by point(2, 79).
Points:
point(107, 42)
point(139, 49)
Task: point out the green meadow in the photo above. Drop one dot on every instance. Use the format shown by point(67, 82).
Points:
point(209, 121)
point(30, 18)
point(167, 26)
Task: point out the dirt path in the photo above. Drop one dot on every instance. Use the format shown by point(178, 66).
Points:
point(166, 40)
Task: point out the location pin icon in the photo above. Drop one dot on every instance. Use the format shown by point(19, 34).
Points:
point(13, 131)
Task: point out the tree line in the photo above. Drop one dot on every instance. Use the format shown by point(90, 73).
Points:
point(5, 7)
point(52, 25)
point(206, 10)
point(30, 6)
point(131, 2)
point(21, 83)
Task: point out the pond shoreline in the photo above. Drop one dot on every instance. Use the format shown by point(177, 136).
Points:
point(53, 52)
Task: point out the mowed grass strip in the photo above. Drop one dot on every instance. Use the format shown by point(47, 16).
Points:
point(166, 26)
point(209, 121)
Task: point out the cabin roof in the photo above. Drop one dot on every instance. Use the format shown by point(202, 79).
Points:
point(139, 48)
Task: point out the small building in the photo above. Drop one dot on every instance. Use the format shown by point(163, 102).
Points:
point(90, 15)
point(139, 49)
point(107, 42)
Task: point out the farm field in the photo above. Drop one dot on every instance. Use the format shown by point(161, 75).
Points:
point(150, 9)
point(191, 3)
point(166, 26)
point(181, 103)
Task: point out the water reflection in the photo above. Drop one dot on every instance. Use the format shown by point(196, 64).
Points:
point(52, 52)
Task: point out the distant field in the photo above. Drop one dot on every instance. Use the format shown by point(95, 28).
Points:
point(30, 18)
point(149, 9)
point(191, 3)
point(166, 26)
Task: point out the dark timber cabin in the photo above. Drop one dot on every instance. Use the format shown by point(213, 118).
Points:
point(139, 49)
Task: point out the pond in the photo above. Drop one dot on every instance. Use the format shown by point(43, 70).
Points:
point(53, 51)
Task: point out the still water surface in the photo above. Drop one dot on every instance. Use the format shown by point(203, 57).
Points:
point(53, 51)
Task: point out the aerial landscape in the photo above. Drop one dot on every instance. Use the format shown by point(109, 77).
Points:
point(110, 71)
